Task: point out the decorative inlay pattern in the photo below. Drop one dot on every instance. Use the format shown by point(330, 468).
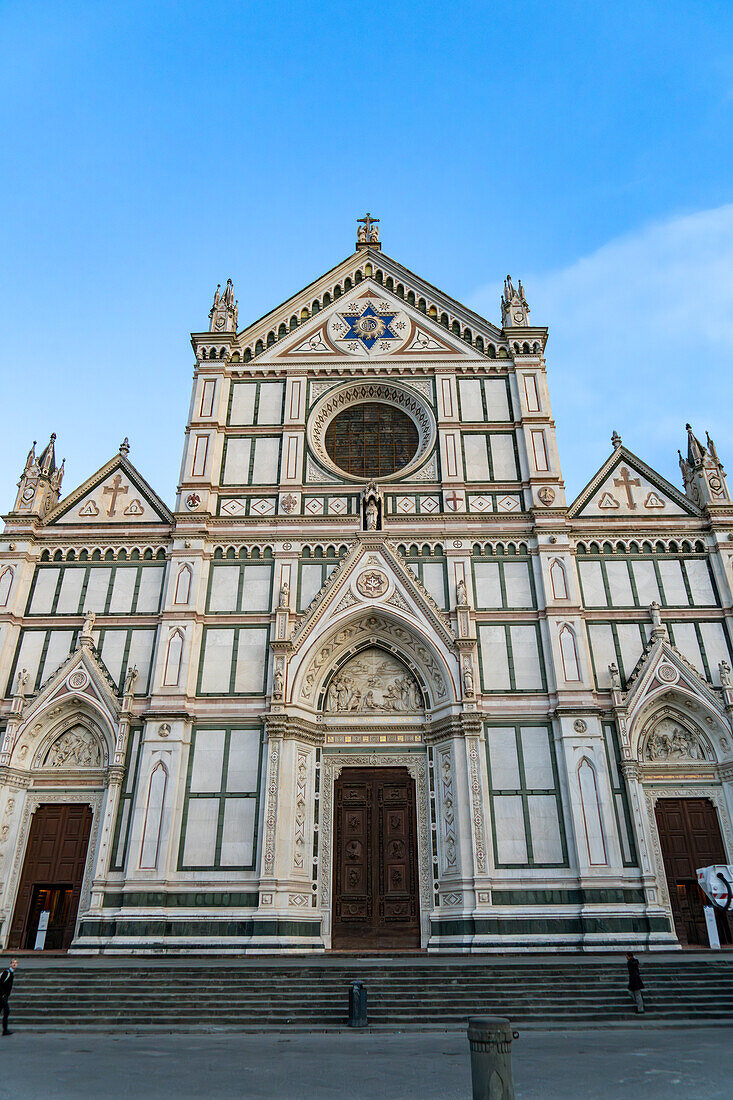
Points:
point(271, 810)
point(479, 844)
point(301, 808)
point(447, 808)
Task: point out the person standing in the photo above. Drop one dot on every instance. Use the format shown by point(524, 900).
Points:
point(6, 985)
point(635, 983)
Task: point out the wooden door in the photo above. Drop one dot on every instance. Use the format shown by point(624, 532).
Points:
point(690, 837)
point(375, 889)
point(53, 869)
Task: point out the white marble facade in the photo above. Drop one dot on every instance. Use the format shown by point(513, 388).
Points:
point(201, 676)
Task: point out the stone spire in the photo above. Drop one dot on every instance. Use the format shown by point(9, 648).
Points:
point(514, 308)
point(224, 311)
point(40, 483)
point(703, 475)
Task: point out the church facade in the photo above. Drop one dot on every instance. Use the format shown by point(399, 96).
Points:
point(373, 683)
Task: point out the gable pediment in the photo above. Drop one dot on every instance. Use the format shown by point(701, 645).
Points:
point(117, 494)
point(82, 676)
point(336, 287)
point(660, 669)
point(625, 487)
point(368, 323)
point(370, 576)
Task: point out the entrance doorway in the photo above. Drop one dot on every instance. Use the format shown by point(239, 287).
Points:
point(690, 837)
point(375, 878)
point(50, 883)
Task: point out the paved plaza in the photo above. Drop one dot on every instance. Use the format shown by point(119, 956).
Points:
point(649, 1062)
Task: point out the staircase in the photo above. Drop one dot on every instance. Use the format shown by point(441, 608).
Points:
point(423, 993)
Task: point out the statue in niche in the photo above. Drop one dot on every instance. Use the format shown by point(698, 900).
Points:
point(461, 594)
point(77, 748)
point(724, 674)
point(284, 598)
point(468, 677)
point(373, 682)
point(615, 677)
point(670, 742)
point(371, 507)
point(278, 682)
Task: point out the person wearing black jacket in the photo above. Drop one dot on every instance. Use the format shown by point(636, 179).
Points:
point(6, 985)
point(635, 983)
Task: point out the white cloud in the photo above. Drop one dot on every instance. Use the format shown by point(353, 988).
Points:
point(641, 341)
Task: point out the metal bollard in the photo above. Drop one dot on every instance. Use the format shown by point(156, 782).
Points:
point(490, 1038)
point(357, 1005)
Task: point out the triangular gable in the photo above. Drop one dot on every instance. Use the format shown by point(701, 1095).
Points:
point(661, 667)
point(368, 323)
point(83, 674)
point(116, 494)
point(625, 486)
point(372, 573)
point(356, 269)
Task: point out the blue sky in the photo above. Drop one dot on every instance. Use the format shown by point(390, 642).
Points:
point(151, 150)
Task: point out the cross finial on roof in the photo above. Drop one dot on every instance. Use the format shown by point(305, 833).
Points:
point(367, 230)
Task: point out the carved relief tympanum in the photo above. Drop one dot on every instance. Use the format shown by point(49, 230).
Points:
point(374, 681)
point(669, 741)
point(77, 748)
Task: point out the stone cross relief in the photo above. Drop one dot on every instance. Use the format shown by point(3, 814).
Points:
point(373, 682)
point(114, 490)
point(672, 742)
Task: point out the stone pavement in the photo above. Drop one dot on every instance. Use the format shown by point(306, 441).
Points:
point(653, 1063)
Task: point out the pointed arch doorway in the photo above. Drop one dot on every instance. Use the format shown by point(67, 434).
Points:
point(375, 869)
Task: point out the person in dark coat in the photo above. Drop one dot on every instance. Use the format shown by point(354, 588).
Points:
point(6, 985)
point(635, 983)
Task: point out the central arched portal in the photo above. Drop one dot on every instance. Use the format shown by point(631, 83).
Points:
point(375, 865)
point(376, 682)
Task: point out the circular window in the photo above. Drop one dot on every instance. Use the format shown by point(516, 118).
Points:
point(371, 440)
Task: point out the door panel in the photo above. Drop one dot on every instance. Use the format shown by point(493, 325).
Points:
point(375, 860)
point(690, 837)
point(55, 857)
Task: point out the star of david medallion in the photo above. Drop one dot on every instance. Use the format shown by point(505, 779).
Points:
point(372, 584)
point(369, 326)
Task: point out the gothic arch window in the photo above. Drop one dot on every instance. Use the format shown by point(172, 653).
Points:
point(174, 653)
point(183, 584)
point(558, 580)
point(592, 820)
point(150, 845)
point(569, 653)
point(6, 583)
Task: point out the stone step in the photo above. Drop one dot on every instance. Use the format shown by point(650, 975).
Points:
point(306, 996)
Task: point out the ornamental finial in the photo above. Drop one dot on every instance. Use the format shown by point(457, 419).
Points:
point(367, 231)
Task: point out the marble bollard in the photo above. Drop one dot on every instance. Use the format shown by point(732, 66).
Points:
point(490, 1039)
